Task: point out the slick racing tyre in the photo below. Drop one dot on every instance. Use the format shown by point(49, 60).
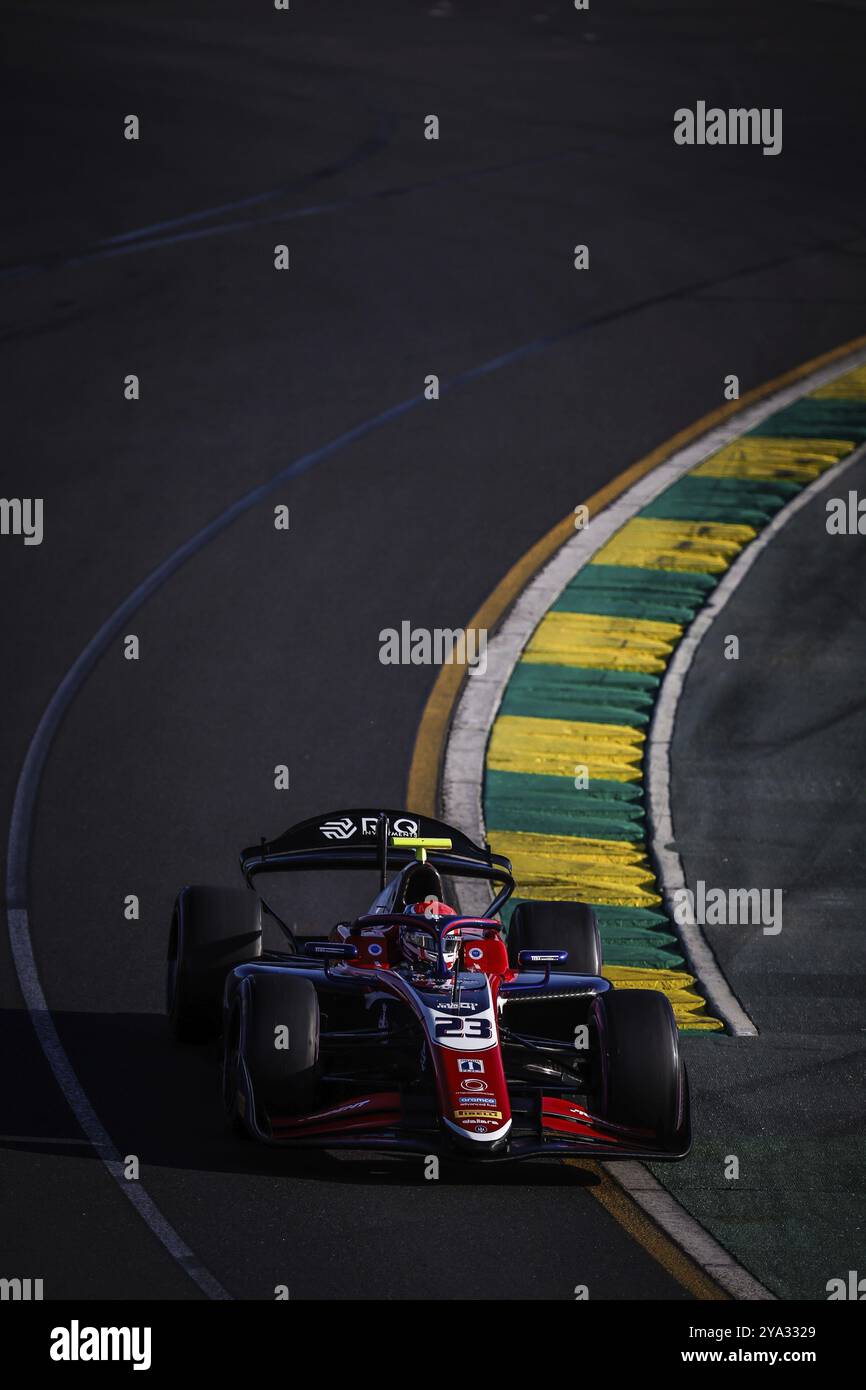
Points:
point(279, 1041)
point(641, 1074)
point(570, 927)
point(212, 931)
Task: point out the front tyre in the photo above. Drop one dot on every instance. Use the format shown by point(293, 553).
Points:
point(212, 931)
point(641, 1074)
point(277, 1040)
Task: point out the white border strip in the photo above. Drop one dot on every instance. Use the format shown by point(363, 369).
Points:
point(79, 1103)
point(463, 772)
point(671, 873)
point(664, 1209)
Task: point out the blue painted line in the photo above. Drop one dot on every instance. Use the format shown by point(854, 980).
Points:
point(31, 773)
point(129, 243)
point(365, 150)
point(24, 807)
point(23, 811)
point(34, 762)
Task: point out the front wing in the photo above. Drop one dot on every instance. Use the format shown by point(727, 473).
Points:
point(548, 1127)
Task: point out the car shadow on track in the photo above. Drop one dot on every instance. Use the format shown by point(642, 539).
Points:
point(161, 1103)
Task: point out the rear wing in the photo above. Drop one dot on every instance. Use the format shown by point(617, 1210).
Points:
point(364, 839)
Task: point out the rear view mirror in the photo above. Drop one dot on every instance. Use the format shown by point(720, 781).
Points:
point(331, 950)
point(529, 958)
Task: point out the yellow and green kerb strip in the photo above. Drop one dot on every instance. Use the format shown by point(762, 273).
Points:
point(582, 694)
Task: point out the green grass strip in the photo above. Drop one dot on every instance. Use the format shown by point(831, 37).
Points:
point(581, 693)
point(737, 501)
point(544, 805)
point(811, 419)
point(627, 591)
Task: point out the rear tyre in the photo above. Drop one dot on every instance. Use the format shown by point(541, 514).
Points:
point(281, 1041)
point(570, 927)
point(642, 1080)
point(212, 931)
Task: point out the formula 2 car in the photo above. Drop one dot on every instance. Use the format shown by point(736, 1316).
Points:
point(413, 1028)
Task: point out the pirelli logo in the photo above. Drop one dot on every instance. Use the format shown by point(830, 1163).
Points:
point(478, 1114)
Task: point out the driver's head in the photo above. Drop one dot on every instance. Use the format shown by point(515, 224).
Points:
point(419, 947)
point(419, 883)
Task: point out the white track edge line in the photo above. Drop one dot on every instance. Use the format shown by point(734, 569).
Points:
point(476, 708)
point(82, 1109)
point(671, 874)
point(665, 1211)
point(637, 1180)
point(463, 770)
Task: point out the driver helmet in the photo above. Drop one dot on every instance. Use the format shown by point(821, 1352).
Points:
point(419, 947)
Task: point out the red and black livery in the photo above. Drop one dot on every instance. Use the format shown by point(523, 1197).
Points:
point(512, 1047)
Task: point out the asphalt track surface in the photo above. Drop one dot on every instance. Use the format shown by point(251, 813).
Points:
point(768, 775)
point(407, 257)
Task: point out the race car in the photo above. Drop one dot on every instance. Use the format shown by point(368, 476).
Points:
point(414, 1028)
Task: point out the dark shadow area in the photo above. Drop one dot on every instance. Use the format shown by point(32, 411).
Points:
point(161, 1102)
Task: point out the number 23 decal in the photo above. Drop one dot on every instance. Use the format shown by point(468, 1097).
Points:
point(464, 1028)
